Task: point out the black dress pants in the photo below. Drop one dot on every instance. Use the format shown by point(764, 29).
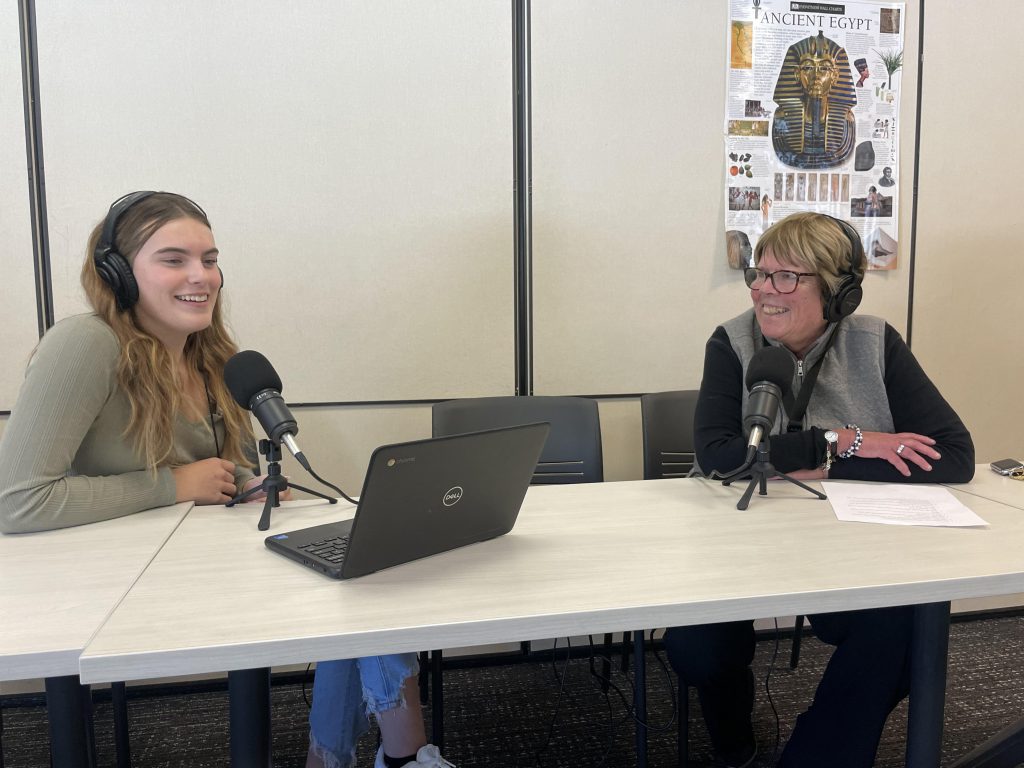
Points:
point(867, 676)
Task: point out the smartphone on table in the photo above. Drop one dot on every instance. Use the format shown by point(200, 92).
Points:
point(1007, 467)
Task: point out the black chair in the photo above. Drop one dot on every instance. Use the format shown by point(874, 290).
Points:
point(667, 419)
point(669, 452)
point(668, 433)
point(572, 454)
point(1004, 750)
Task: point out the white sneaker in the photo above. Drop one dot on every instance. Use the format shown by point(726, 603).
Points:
point(428, 756)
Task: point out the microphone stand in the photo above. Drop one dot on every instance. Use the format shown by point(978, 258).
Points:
point(759, 473)
point(273, 484)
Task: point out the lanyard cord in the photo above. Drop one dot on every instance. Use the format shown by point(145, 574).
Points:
point(209, 405)
point(797, 408)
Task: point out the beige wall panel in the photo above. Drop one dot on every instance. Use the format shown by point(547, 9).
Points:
point(967, 296)
point(629, 250)
point(622, 442)
point(19, 328)
point(338, 441)
point(355, 159)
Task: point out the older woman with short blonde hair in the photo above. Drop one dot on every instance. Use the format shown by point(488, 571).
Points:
point(862, 409)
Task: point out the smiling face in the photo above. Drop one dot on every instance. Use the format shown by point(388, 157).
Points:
point(179, 282)
point(793, 319)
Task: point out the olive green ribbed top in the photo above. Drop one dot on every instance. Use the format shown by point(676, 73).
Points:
point(64, 459)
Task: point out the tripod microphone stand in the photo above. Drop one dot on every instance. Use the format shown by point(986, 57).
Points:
point(273, 484)
point(759, 473)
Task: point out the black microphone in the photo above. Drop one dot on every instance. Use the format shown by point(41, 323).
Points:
point(255, 385)
point(769, 380)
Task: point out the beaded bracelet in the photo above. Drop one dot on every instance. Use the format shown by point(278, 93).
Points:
point(858, 438)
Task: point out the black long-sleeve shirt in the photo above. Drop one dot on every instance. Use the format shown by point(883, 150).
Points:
point(914, 402)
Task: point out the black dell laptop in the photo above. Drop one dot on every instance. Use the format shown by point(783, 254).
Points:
point(422, 498)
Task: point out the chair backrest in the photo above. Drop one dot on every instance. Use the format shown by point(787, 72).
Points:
point(572, 453)
point(668, 433)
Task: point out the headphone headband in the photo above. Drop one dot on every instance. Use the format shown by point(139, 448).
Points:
point(105, 245)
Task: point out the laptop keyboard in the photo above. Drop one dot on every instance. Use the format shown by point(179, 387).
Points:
point(331, 549)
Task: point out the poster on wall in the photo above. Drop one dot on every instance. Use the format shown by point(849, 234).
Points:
point(811, 123)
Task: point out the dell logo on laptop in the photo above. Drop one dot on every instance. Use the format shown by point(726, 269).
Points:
point(452, 496)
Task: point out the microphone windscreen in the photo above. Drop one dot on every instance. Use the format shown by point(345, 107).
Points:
point(248, 373)
point(773, 364)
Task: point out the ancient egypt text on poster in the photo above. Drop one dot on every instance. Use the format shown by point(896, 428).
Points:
point(812, 119)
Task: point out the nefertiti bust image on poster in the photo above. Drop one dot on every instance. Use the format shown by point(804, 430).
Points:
point(814, 126)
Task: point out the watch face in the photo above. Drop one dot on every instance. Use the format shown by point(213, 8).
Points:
point(832, 437)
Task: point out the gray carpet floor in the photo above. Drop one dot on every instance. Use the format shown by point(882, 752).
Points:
point(518, 715)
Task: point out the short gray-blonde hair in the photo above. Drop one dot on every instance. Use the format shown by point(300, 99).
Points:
point(815, 243)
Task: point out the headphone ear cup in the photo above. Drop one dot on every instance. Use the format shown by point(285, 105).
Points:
point(111, 266)
point(117, 273)
point(848, 292)
point(844, 300)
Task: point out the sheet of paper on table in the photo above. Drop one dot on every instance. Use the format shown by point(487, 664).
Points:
point(895, 504)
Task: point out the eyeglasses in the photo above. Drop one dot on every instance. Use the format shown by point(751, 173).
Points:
point(784, 280)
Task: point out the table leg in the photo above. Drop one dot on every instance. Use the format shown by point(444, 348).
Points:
point(119, 703)
point(66, 713)
point(640, 697)
point(249, 702)
point(437, 698)
point(928, 656)
point(90, 726)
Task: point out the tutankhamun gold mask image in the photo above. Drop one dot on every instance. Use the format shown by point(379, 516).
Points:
point(813, 126)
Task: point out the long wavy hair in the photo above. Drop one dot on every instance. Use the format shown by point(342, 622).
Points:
point(145, 371)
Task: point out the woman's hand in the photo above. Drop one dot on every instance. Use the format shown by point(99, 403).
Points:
point(916, 449)
point(210, 481)
point(285, 495)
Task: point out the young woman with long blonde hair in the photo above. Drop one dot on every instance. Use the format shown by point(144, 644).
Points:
point(125, 409)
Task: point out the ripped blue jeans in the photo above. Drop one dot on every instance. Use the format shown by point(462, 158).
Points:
point(345, 693)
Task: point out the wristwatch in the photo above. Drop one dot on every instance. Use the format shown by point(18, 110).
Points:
point(831, 448)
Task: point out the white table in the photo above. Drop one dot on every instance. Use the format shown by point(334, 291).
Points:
point(992, 485)
point(56, 589)
point(1006, 747)
point(582, 559)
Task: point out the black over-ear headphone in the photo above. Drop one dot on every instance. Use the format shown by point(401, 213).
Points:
point(112, 267)
point(847, 295)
